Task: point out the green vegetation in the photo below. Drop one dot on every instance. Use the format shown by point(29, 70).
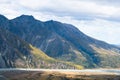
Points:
point(48, 62)
point(108, 58)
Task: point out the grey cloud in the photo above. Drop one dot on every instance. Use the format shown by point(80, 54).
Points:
point(106, 2)
point(114, 19)
point(62, 9)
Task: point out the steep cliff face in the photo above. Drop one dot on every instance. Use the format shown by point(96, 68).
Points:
point(15, 52)
point(64, 42)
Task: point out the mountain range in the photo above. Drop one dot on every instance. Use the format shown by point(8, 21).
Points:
point(28, 42)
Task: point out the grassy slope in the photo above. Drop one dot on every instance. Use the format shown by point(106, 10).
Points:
point(109, 58)
point(48, 61)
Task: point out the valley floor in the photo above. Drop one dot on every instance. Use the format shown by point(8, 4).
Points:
point(54, 74)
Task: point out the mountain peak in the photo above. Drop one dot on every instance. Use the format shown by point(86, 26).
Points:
point(3, 17)
point(26, 17)
point(50, 21)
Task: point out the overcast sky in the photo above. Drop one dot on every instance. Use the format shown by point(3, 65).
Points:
point(97, 18)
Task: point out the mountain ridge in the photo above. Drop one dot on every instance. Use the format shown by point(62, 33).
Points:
point(64, 42)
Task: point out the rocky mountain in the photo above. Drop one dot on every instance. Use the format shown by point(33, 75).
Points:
point(15, 52)
point(63, 41)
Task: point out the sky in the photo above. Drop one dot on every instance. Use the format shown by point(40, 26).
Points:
point(99, 19)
